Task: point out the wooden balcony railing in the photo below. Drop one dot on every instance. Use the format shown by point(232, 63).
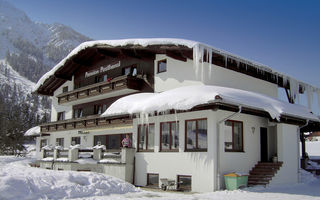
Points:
point(84, 122)
point(119, 83)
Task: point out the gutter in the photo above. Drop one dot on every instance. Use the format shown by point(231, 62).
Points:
point(298, 147)
point(218, 144)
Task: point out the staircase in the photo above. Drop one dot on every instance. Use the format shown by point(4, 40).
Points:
point(262, 173)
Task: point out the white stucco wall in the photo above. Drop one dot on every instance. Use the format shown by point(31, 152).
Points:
point(288, 151)
point(181, 73)
point(170, 164)
point(241, 161)
point(55, 107)
point(201, 165)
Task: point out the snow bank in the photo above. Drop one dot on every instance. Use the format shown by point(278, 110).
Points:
point(19, 181)
point(34, 131)
point(185, 98)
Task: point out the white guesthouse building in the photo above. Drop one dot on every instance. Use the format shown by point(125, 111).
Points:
point(193, 112)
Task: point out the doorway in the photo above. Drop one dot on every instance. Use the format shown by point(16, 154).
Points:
point(264, 144)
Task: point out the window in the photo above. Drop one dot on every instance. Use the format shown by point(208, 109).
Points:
point(60, 142)
point(146, 137)
point(61, 116)
point(75, 140)
point(169, 136)
point(97, 109)
point(184, 183)
point(233, 134)
point(43, 143)
point(65, 89)
point(196, 135)
point(153, 180)
point(77, 113)
point(162, 66)
point(131, 70)
point(98, 79)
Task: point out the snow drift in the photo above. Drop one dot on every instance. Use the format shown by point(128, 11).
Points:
point(19, 181)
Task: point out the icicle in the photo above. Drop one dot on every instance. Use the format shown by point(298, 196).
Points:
point(294, 88)
point(175, 116)
point(209, 51)
point(226, 61)
point(196, 52)
point(202, 63)
point(318, 95)
point(309, 93)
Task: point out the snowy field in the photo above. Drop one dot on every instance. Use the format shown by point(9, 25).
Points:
point(19, 181)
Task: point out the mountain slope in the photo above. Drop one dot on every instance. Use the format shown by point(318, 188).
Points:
point(33, 48)
point(27, 50)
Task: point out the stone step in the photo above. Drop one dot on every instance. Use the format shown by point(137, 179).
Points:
point(258, 182)
point(253, 178)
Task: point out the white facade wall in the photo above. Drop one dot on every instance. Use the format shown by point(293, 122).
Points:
point(199, 165)
point(244, 161)
point(181, 73)
point(288, 153)
point(202, 166)
point(55, 107)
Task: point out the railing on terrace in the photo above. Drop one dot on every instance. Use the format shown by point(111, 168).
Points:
point(84, 122)
point(119, 83)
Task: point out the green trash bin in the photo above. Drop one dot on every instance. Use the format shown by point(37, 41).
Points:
point(233, 181)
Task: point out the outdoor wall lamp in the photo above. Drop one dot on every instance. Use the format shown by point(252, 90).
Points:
point(253, 129)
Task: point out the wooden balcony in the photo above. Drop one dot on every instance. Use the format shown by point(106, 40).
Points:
point(84, 122)
point(118, 86)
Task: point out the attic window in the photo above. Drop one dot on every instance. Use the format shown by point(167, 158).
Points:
point(162, 66)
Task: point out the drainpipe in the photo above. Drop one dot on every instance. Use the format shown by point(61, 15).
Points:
point(298, 142)
point(218, 143)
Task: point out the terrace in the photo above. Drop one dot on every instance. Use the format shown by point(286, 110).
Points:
point(85, 122)
point(118, 86)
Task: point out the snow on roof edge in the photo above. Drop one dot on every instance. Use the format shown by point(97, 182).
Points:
point(163, 41)
point(34, 131)
point(183, 99)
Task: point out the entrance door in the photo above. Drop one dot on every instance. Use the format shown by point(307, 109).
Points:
point(264, 144)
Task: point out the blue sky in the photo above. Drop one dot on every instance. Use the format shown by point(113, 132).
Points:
point(281, 34)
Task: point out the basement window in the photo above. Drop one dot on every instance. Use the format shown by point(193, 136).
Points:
point(162, 66)
point(153, 180)
point(184, 183)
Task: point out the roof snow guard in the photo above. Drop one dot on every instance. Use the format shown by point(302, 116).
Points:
point(89, 52)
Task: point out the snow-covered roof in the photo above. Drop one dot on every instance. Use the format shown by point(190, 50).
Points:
point(185, 98)
point(34, 131)
point(199, 50)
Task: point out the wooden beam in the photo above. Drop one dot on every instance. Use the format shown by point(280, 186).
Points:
point(63, 76)
point(108, 52)
point(176, 55)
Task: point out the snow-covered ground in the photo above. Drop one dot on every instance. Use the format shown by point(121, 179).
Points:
point(20, 181)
